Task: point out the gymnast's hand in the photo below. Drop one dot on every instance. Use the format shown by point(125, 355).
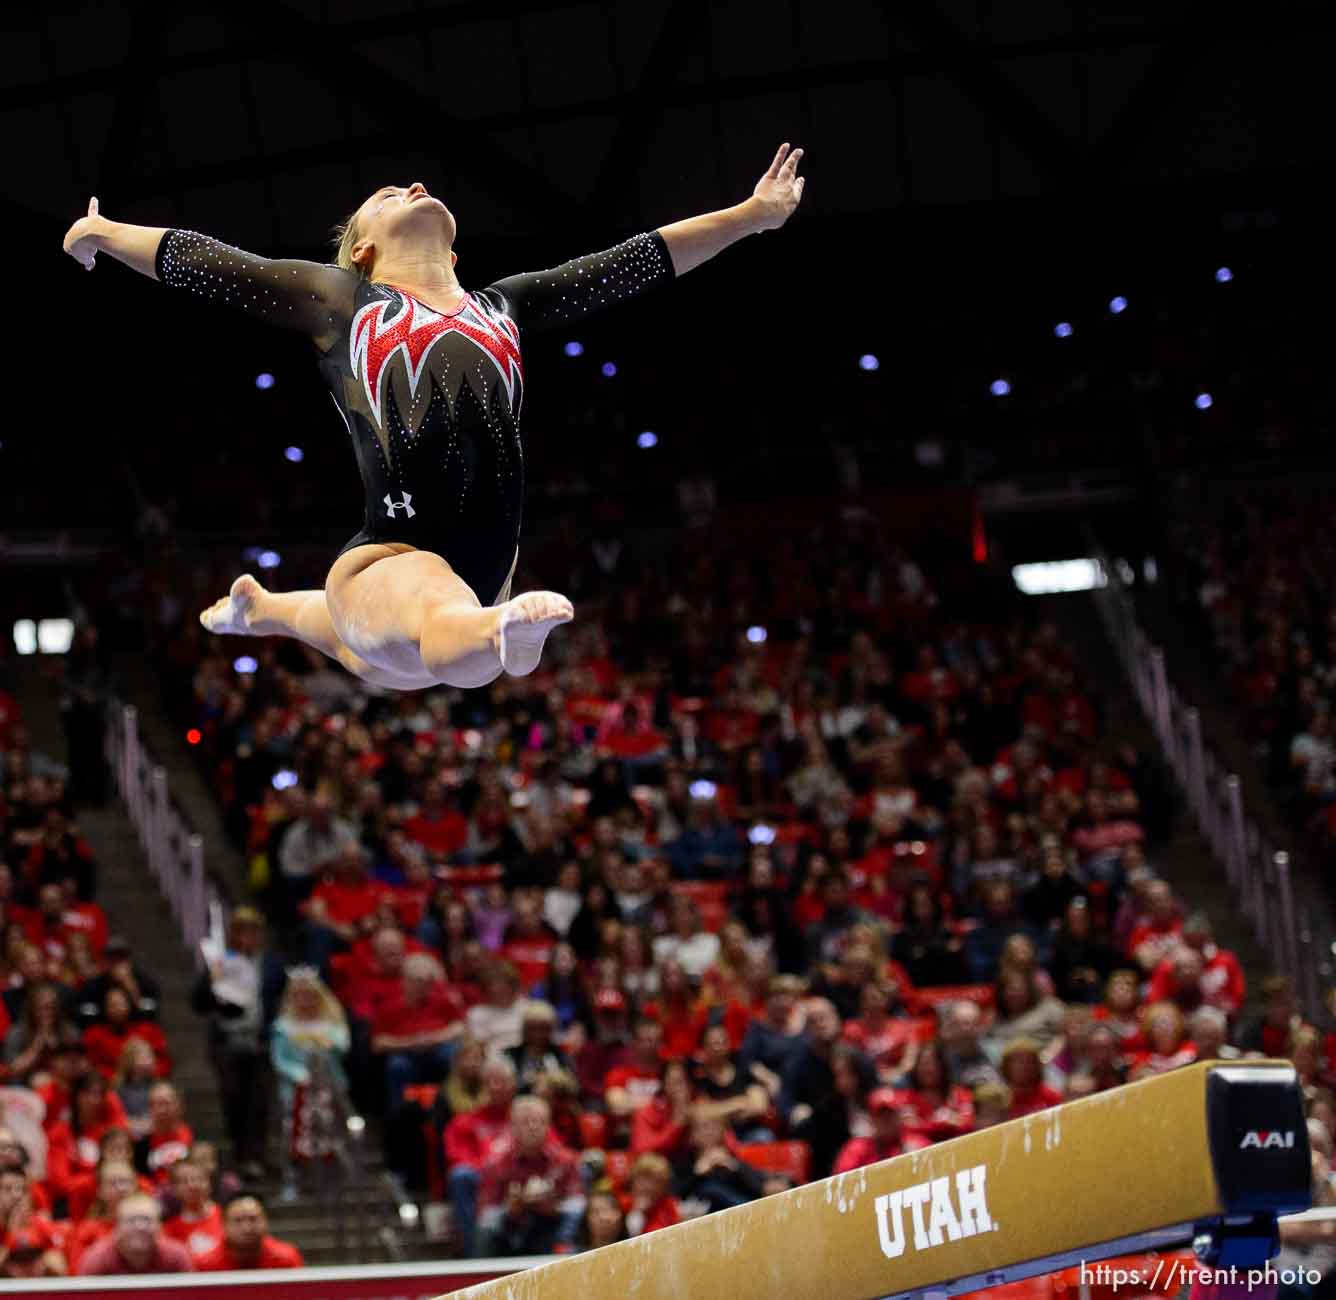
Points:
point(82, 240)
point(778, 192)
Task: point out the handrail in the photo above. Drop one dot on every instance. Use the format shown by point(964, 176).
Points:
point(175, 852)
point(1260, 875)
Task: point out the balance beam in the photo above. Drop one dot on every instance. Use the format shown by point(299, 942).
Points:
point(1210, 1153)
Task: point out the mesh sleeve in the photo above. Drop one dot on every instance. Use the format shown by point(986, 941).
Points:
point(314, 298)
point(539, 300)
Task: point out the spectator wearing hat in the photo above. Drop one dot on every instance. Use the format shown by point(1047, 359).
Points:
point(1023, 1072)
point(246, 1242)
point(136, 1244)
point(992, 1104)
point(608, 1048)
point(240, 992)
point(889, 1138)
point(469, 1137)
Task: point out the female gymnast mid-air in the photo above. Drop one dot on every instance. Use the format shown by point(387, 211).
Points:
point(428, 378)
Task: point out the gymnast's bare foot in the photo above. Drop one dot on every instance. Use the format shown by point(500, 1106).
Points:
point(235, 614)
point(525, 624)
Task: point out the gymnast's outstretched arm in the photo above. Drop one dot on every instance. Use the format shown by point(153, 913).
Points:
point(777, 193)
point(312, 297)
point(540, 300)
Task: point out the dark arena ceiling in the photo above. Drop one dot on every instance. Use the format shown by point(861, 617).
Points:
point(264, 121)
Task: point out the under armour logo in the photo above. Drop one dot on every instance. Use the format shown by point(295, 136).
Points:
point(391, 505)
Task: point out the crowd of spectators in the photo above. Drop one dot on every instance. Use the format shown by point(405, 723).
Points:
point(657, 931)
point(1257, 576)
point(100, 1171)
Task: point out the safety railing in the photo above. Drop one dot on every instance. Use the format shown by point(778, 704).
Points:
point(1259, 873)
point(175, 852)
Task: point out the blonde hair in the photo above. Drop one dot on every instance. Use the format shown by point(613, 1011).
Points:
point(344, 237)
point(331, 1010)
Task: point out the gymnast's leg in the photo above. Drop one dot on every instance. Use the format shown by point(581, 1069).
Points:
point(250, 610)
point(407, 612)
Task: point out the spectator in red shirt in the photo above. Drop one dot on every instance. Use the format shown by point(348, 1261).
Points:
point(469, 1137)
point(115, 1181)
point(342, 908)
point(1272, 1033)
point(607, 1049)
point(664, 1125)
point(438, 825)
point(889, 1135)
point(889, 1041)
point(19, 1216)
point(198, 1224)
point(415, 1031)
point(1157, 936)
point(652, 1204)
point(73, 1149)
point(1120, 1009)
point(934, 1106)
point(61, 853)
point(1167, 1043)
point(1178, 979)
point(1222, 981)
point(116, 1146)
point(528, 941)
point(1024, 1075)
point(373, 973)
point(626, 1088)
point(106, 1040)
point(169, 1137)
point(137, 1244)
point(246, 1242)
point(532, 1198)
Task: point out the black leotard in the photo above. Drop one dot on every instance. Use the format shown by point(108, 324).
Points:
point(431, 401)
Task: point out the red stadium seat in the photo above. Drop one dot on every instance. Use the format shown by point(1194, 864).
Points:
point(1032, 1288)
point(472, 877)
point(791, 1158)
point(929, 999)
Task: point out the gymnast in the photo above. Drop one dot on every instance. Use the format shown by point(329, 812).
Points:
point(428, 378)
